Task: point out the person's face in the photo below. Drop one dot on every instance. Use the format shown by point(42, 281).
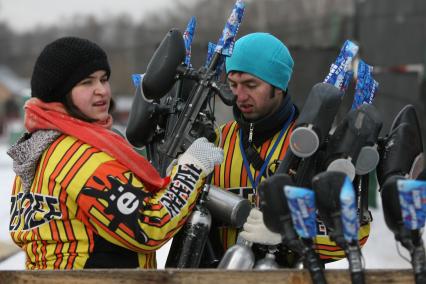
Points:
point(254, 97)
point(92, 95)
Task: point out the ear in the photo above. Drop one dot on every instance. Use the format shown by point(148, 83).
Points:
point(277, 92)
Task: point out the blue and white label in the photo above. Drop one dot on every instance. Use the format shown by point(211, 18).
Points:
point(187, 38)
point(301, 202)
point(412, 198)
point(366, 86)
point(137, 79)
point(348, 209)
point(225, 44)
point(338, 75)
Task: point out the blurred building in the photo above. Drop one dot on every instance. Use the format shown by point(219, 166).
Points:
point(123, 104)
point(392, 38)
point(13, 92)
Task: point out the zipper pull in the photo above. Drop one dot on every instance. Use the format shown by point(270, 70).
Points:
point(250, 138)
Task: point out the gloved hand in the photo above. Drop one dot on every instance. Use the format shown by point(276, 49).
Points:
point(255, 230)
point(203, 154)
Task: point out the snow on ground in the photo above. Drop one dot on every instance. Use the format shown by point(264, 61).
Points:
point(379, 252)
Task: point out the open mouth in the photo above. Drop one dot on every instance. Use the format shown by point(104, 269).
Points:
point(100, 103)
point(246, 108)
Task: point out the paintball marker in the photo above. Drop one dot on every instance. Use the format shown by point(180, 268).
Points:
point(405, 216)
point(404, 199)
point(152, 112)
point(401, 151)
point(358, 129)
point(316, 118)
point(337, 208)
point(310, 133)
point(188, 116)
point(277, 218)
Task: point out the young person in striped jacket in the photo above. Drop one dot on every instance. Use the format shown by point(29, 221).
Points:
point(82, 197)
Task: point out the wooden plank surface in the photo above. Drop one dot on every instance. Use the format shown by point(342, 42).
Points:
point(192, 276)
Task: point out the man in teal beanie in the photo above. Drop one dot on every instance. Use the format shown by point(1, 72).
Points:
point(263, 56)
point(258, 73)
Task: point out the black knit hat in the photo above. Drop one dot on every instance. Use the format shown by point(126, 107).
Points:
point(62, 64)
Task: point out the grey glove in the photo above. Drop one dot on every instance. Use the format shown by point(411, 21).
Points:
point(255, 230)
point(203, 154)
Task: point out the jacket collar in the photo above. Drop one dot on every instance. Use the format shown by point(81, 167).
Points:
point(265, 127)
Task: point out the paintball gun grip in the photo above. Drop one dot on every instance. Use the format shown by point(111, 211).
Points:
point(312, 263)
point(355, 264)
point(418, 260)
point(180, 139)
point(273, 203)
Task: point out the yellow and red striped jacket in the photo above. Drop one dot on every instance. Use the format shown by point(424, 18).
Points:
point(232, 175)
point(85, 209)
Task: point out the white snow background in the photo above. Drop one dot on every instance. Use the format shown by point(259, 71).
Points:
point(380, 251)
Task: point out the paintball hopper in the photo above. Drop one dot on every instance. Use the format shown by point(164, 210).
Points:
point(161, 72)
point(392, 207)
point(315, 119)
point(273, 204)
point(401, 150)
point(336, 203)
point(227, 207)
point(327, 186)
point(143, 120)
point(277, 218)
point(407, 229)
point(360, 128)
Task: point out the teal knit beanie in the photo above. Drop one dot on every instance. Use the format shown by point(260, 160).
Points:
point(264, 56)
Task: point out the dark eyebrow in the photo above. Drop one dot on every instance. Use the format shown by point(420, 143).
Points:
point(246, 81)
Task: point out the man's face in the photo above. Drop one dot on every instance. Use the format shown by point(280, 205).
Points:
point(254, 97)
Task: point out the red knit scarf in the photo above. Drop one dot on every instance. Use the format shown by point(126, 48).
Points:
point(40, 115)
